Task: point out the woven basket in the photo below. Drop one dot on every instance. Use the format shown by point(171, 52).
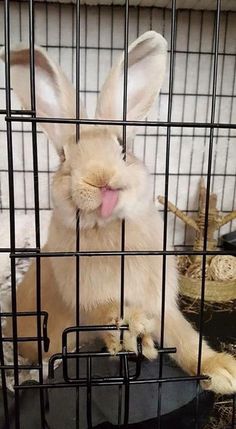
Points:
point(215, 291)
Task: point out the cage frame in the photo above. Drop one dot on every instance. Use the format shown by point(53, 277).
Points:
point(125, 378)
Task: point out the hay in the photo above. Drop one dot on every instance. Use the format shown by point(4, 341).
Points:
point(193, 306)
point(222, 415)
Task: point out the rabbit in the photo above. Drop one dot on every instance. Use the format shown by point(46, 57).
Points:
point(95, 178)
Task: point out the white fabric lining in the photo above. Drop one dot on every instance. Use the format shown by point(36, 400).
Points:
point(181, 4)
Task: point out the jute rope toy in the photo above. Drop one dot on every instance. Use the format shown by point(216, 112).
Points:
point(220, 270)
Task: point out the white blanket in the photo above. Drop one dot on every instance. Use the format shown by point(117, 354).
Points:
point(25, 238)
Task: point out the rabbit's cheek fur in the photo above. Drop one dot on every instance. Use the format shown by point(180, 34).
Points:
point(87, 198)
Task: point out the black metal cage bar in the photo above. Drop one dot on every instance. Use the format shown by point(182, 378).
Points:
point(12, 207)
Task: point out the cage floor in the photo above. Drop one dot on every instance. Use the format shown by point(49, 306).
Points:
point(178, 401)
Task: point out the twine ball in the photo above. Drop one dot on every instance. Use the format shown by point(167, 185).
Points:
point(223, 267)
point(194, 271)
point(183, 262)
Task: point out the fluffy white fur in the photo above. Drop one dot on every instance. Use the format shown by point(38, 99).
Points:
point(25, 235)
point(87, 168)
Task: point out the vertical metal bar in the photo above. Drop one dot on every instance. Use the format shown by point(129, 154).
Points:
point(1, 208)
point(99, 42)
point(77, 260)
point(72, 41)
point(112, 33)
point(36, 203)
point(125, 101)
point(168, 137)
point(195, 114)
point(217, 132)
point(122, 262)
point(208, 99)
point(77, 77)
point(137, 35)
point(77, 268)
point(233, 422)
point(182, 116)
point(157, 129)
point(85, 51)
point(3, 380)
point(126, 59)
point(127, 391)
point(146, 128)
point(48, 148)
point(59, 32)
point(89, 393)
point(210, 153)
point(3, 372)
point(11, 206)
point(120, 397)
point(229, 131)
point(48, 176)
point(22, 125)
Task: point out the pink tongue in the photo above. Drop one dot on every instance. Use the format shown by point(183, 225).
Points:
point(109, 201)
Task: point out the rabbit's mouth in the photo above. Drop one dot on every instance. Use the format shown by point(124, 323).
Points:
point(109, 198)
point(109, 201)
point(100, 200)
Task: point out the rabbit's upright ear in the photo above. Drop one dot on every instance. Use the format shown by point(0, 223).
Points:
point(55, 95)
point(146, 71)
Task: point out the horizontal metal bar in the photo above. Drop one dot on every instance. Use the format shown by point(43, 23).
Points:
point(21, 339)
point(119, 382)
point(114, 48)
point(120, 252)
point(18, 112)
point(88, 328)
point(30, 209)
point(18, 249)
point(107, 354)
point(23, 313)
point(121, 122)
point(159, 173)
point(140, 134)
point(25, 209)
point(21, 367)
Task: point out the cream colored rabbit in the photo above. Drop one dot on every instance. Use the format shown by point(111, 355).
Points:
point(94, 178)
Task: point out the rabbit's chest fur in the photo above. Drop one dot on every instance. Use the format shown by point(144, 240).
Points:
point(100, 276)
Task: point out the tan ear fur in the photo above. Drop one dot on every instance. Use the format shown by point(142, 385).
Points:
point(146, 70)
point(55, 95)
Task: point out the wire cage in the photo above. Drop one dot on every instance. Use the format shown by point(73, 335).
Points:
point(189, 134)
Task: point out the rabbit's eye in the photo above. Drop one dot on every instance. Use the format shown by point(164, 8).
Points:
point(120, 141)
point(62, 156)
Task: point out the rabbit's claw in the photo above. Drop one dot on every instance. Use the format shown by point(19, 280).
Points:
point(139, 326)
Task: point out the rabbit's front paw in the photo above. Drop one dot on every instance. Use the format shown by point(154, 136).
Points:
point(113, 344)
point(139, 326)
point(221, 369)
